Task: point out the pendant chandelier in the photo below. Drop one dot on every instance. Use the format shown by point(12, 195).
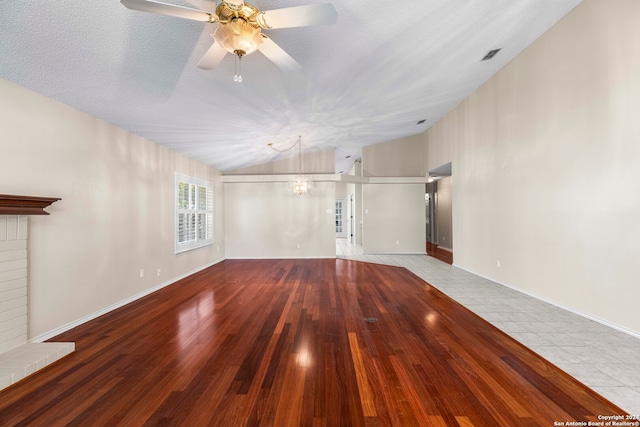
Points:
point(300, 184)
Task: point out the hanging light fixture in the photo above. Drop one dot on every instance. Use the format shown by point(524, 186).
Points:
point(300, 184)
point(239, 28)
point(240, 38)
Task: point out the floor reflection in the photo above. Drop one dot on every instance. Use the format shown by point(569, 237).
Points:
point(195, 321)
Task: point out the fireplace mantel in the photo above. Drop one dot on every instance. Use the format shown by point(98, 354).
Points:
point(24, 205)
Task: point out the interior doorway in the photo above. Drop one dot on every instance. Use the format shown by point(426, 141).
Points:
point(430, 217)
point(439, 214)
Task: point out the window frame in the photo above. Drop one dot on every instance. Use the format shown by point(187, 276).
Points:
point(195, 214)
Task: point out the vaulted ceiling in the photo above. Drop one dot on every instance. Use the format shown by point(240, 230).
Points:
point(369, 78)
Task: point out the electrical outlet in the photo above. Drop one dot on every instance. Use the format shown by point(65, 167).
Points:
point(299, 245)
point(397, 242)
point(159, 272)
point(141, 273)
point(498, 263)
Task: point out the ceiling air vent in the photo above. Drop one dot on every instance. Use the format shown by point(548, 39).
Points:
point(491, 54)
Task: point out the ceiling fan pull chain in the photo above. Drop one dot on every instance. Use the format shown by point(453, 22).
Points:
point(238, 75)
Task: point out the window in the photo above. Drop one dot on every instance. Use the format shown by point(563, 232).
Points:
point(194, 213)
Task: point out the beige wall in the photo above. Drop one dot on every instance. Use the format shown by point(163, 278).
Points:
point(400, 157)
point(546, 160)
point(265, 220)
point(394, 218)
point(116, 214)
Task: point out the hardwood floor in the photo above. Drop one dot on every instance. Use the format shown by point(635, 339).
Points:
point(297, 342)
point(444, 255)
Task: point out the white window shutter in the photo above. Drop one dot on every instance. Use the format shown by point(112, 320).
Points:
point(194, 213)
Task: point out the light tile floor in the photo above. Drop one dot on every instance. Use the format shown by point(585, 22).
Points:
point(605, 359)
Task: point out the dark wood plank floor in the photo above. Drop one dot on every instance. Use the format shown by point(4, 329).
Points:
point(297, 342)
point(444, 255)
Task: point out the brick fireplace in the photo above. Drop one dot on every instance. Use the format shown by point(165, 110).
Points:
point(19, 357)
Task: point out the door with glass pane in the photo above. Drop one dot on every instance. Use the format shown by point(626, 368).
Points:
point(340, 228)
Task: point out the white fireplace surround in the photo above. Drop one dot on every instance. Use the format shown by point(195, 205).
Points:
point(18, 357)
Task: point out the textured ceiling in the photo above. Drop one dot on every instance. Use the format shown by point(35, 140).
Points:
point(367, 79)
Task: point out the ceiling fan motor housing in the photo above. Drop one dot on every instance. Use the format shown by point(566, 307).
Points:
point(246, 11)
point(238, 32)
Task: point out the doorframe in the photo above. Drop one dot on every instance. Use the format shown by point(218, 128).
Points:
point(351, 230)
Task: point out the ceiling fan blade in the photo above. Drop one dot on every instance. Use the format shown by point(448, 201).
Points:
point(170, 10)
point(298, 16)
point(278, 56)
point(212, 57)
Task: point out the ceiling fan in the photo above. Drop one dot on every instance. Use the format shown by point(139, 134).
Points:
point(240, 26)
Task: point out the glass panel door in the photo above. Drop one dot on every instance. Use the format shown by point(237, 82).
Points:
point(340, 229)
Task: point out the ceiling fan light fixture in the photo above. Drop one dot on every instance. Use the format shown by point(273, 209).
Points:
point(238, 37)
point(239, 28)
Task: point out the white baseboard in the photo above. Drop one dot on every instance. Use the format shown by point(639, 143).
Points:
point(563, 307)
point(394, 253)
point(84, 319)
